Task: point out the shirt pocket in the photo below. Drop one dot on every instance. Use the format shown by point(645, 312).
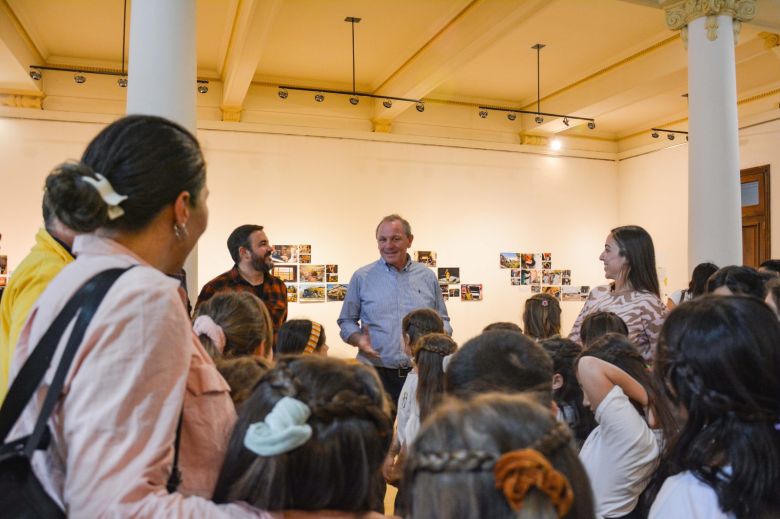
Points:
point(203, 379)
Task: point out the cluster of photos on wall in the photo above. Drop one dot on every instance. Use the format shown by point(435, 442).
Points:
point(535, 270)
point(449, 279)
point(306, 282)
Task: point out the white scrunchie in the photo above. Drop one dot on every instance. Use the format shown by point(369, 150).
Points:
point(205, 325)
point(107, 193)
point(283, 429)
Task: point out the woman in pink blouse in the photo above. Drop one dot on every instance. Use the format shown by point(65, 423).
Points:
point(634, 295)
point(141, 186)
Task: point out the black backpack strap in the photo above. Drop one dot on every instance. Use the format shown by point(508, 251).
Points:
point(84, 302)
point(174, 480)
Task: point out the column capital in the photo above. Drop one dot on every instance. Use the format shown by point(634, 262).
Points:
point(679, 13)
point(771, 39)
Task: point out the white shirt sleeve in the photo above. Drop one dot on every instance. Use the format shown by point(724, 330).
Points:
point(683, 496)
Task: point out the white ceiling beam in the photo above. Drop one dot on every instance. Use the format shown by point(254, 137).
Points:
point(19, 53)
point(661, 70)
point(250, 32)
point(469, 34)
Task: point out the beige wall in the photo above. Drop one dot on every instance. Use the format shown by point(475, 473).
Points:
point(466, 204)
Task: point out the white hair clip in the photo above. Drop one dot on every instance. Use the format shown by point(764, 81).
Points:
point(107, 193)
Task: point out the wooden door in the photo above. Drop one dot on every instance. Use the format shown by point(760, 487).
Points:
point(755, 215)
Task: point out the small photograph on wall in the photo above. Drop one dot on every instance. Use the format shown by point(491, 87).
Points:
point(471, 292)
point(525, 276)
point(530, 260)
point(332, 278)
point(566, 277)
point(3, 265)
point(337, 292)
point(286, 272)
point(285, 254)
point(311, 293)
point(304, 249)
point(547, 265)
point(516, 282)
point(332, 273)
point(426, 257)
point(546, 256)
point(553, 291)
point(551, 277)
point(445, 292)
point(509, 260)
point(292, 293)
point(536, 277)
point(455, 292)
point(3, 281)
point(535, 289)
point(569, 293)
point(448, 275)
point(312, 273)
point(304, 258)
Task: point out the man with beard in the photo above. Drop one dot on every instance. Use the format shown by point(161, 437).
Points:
point(251, 252)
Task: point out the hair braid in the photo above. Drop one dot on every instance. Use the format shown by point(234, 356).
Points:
point(348, 404)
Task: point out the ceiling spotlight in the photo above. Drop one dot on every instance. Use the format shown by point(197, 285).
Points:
point(555, 144)
point(387, 103)
point(122, 82)
point(483, 113)
point(79, 78)
point(566, 121)
point(539, 119)
point(591, 125)
point(654, 135)
point(319, 98)
point(35, 74)
point(354, 100)
point(283, 93)
point(511, 116)
point(670, 136)
point(203, 87)
point(420, 106)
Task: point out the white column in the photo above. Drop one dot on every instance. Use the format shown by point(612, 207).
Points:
point(709, 30)
point(714, 206)
point(162, 73)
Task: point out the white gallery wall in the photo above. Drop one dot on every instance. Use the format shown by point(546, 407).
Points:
point(466, 204)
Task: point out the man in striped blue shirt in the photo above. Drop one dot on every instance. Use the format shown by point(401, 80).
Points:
point(380, 294)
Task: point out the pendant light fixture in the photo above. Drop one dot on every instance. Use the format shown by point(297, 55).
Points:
point(538, 114)
point(354, 95)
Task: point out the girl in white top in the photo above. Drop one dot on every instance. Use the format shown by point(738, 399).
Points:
point(696, 287)
point(720, 362)
point(622, 452)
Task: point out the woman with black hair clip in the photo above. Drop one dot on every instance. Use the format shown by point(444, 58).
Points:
point(696, 287)
point(719, 360)
point(634, 294)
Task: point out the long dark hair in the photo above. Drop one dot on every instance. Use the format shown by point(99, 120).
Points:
point(294, 335)
point(146, 158)
point(450, 464)
point(429, 352)
point(339, 467)
point(739, 280)
point(542, 316)
point(699, 277)
point(598, 324)
point(636, 246)
point(564, 353)
point(718, 357)
point(500, 360)
point(420, 322)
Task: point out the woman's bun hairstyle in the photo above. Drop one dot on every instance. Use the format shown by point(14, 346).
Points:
point(76, 203)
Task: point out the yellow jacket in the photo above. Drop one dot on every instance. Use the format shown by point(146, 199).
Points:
point(28, 281)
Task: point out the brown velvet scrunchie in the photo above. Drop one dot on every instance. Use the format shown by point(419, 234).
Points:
point(517, 471)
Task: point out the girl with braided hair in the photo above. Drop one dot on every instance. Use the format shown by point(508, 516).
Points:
point(622, 452)
point(495, 456)
point(310, 441)
point(719, 360)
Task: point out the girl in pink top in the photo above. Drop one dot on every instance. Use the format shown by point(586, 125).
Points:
point(140, 186)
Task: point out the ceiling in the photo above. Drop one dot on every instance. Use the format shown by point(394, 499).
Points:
point(612, 60)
